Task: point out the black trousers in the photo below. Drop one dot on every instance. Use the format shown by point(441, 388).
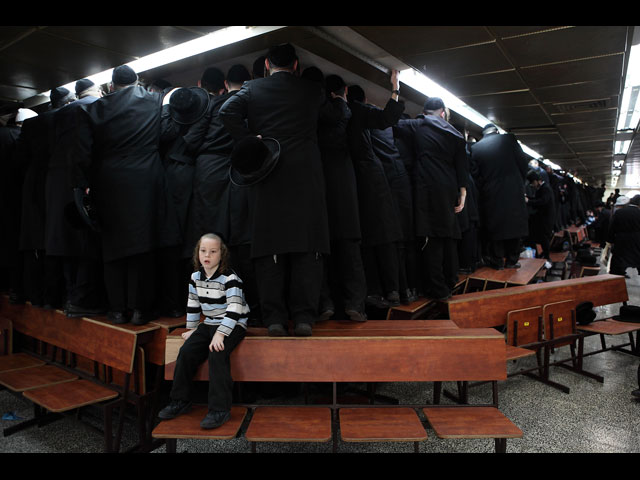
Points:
point(130, 282)
point(509, 250)
point(469, 248)
point(381, 268)
point(343, 277)
point(440, 261)
point(193, 353)
point(173, 274)
point(289, 287)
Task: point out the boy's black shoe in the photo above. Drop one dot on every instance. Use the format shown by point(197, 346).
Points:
point(117, 317)
point(175, 408)
point(215, 419)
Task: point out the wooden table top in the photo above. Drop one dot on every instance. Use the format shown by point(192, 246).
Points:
point(516, 276)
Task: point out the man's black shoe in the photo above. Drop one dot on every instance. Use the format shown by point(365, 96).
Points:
point(215, 419)
point(512, 265)
point(356, 316)
point(377, 301)
point(393, 298)
point(78, 311)
point(303, 330)
point(175, 408)
point(277, 330)
point(142, 318)
point(491, 263)
point(117, 317)
point(326, 314)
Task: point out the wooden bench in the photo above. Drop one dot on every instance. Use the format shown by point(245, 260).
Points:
point(345, 353)
point(492, 309)
point(108, 346)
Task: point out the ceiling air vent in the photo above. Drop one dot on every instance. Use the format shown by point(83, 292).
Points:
point(582, 106)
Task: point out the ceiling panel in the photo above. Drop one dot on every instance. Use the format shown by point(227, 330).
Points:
point(557, 88)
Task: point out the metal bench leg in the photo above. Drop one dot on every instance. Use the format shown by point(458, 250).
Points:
point(501, 445)
point(171, 445)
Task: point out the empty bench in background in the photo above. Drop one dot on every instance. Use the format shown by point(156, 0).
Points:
point(114, 347)
point(339, 354)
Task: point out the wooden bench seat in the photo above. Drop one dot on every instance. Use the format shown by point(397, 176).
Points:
point(377, 424)
point(16, 361)
point(25, 379)
point(338, 353)
point(111, 348)
point(188, 426)
point(611, 327)
point(486, 422)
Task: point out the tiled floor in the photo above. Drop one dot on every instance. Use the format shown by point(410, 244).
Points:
point(593, 418)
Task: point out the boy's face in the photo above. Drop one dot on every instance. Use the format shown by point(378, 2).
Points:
point(209, 254)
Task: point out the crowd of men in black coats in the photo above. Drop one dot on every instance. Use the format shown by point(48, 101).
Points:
point(342, 207)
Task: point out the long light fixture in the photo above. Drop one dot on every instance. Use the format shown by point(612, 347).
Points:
point(217, 39)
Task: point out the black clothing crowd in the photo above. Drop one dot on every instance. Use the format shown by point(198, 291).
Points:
point(364, 209)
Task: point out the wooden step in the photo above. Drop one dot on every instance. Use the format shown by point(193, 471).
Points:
point(17, 361)
point(290, 424)
point(188, 425)
point(381, 424)
point(66, 396)
point(34, 377)
point(471, 422)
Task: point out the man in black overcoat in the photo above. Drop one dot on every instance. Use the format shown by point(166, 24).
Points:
point(72, 247)
point(441, 188)
point(344, 272)
point(543, 216)
point(32, 153)
point(118, 163)
point(290, 231)
point(624, 236)
point(10, 186)
point(381, 229)
point(502, 169)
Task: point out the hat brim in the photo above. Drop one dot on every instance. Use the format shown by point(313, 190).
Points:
point(246, 180)
point(202, 99)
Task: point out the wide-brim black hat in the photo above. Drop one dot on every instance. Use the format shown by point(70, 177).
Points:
point(252, 160)
point(188, 105)
point(628, 313)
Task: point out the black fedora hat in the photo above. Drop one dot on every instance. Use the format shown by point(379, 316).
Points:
point(252, 159)
point(188, 105)
point(628, 313)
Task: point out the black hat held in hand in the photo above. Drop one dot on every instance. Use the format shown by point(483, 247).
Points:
point(252, 159)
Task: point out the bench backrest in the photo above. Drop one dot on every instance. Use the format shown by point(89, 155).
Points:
point(97, 340)
point(439, 354)
point(524, 326)
point(490, 308)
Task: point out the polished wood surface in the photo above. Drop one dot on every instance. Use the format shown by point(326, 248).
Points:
point(437, 354)
point(470, 422)
point(512, 276)
point(557, 318)
point(17, 361)
point(609, 327)
point(70, 395)
point(34, 377)
point(188, 425)
point(381, 424)
point(290, 424)
point(382, 325)
point(94, 338)
point(489, 309)
point(524, 326)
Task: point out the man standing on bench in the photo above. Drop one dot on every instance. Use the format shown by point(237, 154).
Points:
point(290, 226)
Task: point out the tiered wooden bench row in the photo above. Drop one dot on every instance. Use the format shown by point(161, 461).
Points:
point(54, 376)
point(531, 305)
point(375, 351)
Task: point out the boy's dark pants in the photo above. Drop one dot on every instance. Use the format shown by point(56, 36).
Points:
point(193, 353)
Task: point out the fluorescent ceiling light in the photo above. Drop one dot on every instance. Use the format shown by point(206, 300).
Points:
point(622, 147)
point(630, 107)
point(217, 39)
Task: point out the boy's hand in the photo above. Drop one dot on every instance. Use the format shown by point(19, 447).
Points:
point(217, 343)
